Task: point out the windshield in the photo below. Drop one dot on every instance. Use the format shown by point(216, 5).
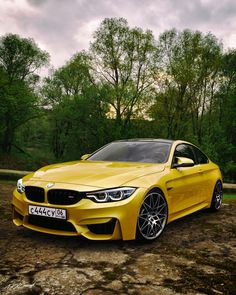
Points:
point(133, 151)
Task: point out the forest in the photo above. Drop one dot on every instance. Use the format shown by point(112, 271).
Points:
point(128, 84)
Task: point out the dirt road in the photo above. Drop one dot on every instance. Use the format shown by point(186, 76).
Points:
point(195, 255)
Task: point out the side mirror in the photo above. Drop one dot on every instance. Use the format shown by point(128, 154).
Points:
point(85, 157)
point(182, 162)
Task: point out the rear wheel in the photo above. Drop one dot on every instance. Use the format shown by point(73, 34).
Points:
point(216, 202)
point(152, 216)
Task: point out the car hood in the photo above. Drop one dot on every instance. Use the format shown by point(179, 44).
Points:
point(95, 174)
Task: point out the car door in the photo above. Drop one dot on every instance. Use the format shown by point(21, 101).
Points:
point(205, 171)
point(184, 185)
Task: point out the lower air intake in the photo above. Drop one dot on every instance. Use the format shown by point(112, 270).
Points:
point(50, 223)
point(103, 228)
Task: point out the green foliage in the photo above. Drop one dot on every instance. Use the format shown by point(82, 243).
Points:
point(19, 59)
point(124, 62)
point(77, 114)
point(77, 127)
point(72, 79)
point(189, 72)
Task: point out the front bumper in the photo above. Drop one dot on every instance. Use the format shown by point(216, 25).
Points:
point(95, 221)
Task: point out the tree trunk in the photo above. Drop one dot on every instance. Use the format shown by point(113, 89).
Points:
point(8, 136)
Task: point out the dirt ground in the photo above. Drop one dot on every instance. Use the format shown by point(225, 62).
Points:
point(195, 255)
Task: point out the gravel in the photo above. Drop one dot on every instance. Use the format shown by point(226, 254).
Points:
point(195, 255)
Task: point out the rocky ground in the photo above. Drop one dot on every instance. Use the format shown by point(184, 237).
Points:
point(195, 255)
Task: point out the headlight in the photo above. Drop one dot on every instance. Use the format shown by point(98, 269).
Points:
point(111, 195)
point(20, 186)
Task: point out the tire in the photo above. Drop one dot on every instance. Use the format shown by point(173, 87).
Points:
point(152, 217)
point(216, 201)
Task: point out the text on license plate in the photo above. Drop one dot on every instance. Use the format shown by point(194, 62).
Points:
point(47, 212)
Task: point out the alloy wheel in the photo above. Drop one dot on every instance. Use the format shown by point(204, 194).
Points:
point(152, 216)
point(218, 194)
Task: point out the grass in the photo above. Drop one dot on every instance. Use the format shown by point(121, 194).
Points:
point(229, 197)
point(32, 159)
point(7, 181)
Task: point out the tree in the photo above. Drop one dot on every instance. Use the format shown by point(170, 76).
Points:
point(125, 65)
point(76, 109)
point(74, 78)
point(224, 115)
point(188, 81)
point(20, 58)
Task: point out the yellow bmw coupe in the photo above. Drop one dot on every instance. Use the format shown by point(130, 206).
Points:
point(128, 189)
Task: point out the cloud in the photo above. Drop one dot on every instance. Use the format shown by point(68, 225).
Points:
point(64, 27)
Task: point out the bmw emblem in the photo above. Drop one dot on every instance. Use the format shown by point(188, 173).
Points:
point(50, 184)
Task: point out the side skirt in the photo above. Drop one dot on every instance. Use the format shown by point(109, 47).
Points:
point(187, 211)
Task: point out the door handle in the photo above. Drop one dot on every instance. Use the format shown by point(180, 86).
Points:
point(200, 171)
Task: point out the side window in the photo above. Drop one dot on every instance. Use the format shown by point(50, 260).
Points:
point(184, 150)
point(201, 158)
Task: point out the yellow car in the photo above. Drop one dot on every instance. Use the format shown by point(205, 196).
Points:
point(128, 189)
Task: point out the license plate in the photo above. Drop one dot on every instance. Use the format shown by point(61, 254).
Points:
point(47, 212)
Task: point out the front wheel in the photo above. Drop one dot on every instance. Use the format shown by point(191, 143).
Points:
point(152, 216)
point(216, 202)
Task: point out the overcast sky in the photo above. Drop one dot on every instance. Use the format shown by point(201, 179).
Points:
point(63, 27)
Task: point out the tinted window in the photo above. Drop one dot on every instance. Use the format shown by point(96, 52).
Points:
point(133, 151)
point(184, 150)
point(201, 158)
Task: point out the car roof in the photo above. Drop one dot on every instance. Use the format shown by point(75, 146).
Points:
point(146, 139)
